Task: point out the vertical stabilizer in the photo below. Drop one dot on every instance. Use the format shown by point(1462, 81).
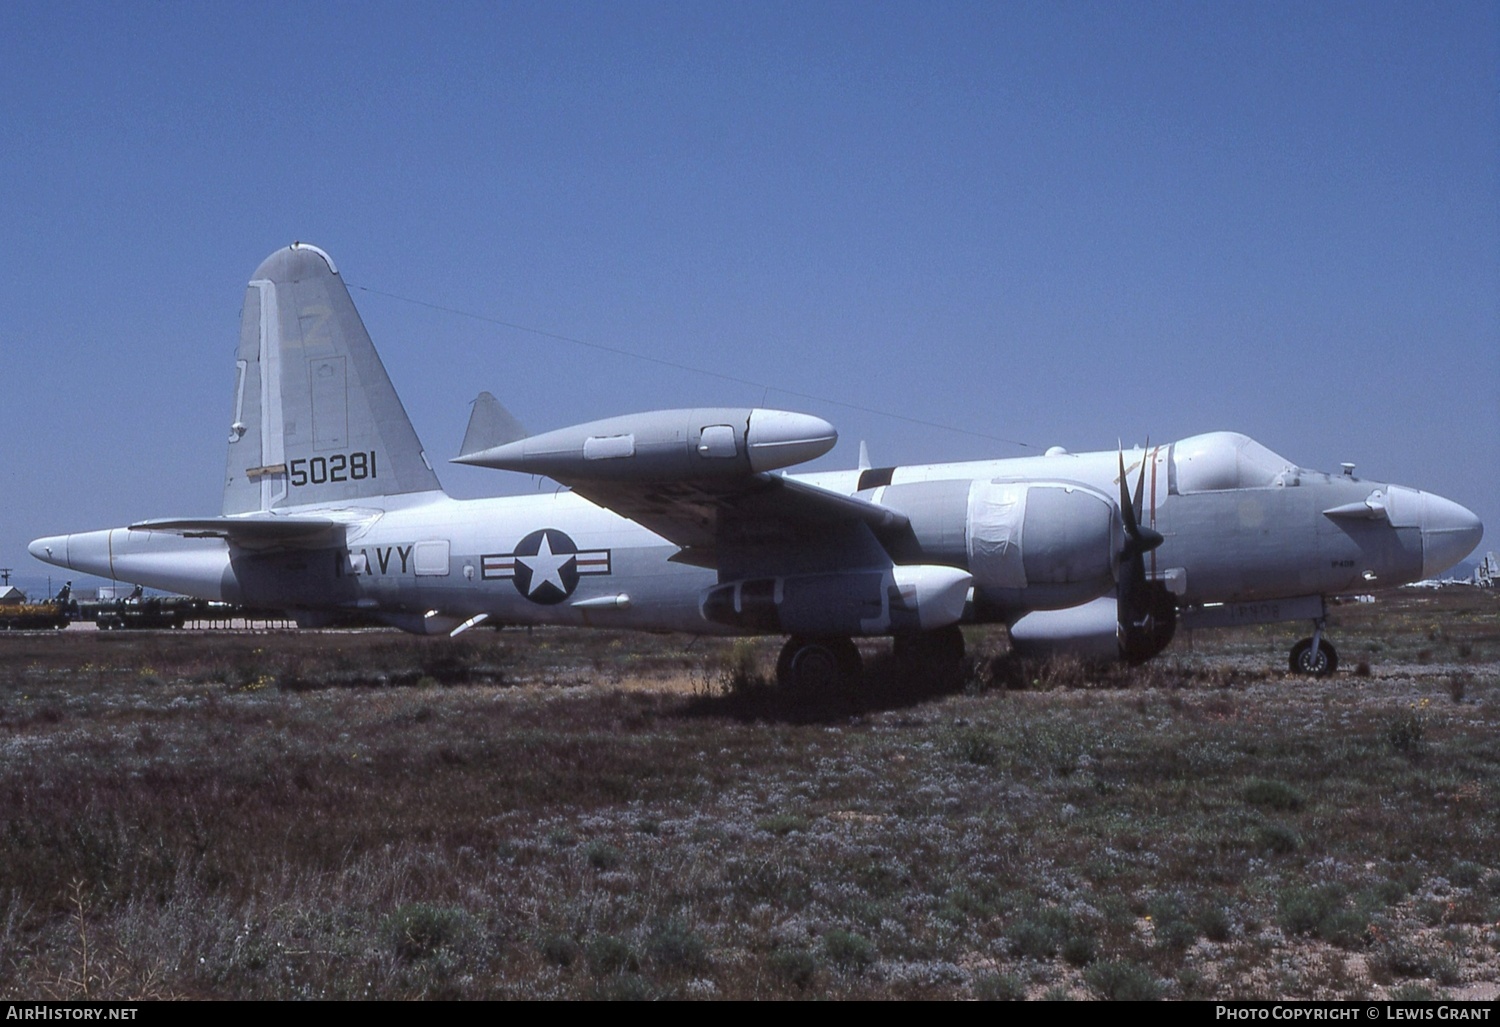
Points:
point(316, 419)
point(490, 425)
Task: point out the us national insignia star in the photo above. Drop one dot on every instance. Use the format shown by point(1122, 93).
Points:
point(545, 565)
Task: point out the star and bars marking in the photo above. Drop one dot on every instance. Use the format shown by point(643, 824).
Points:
point(545, 565)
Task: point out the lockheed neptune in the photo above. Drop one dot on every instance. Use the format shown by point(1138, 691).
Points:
point(684, 520)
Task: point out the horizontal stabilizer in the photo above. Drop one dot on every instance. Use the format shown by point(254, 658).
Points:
point(490, 425)
point(251, 532)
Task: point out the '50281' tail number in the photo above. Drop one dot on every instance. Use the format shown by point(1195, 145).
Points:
point(321, 470)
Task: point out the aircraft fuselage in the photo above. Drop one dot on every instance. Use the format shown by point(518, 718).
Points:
point(556, 558)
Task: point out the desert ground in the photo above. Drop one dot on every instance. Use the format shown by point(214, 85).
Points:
point(560, 814)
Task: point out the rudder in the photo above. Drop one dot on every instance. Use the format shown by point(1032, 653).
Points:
point(316, 419)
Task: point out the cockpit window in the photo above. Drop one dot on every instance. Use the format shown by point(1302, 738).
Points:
point(1228, 460)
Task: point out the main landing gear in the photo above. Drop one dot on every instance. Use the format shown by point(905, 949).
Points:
point(810, 663)
point(1314, 656)
point(936, 655)
point(817, 664)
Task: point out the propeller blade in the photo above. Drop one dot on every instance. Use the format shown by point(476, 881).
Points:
point(1127, 509)
point(1139, 540)
point(1147, 611)
point(1140, 481)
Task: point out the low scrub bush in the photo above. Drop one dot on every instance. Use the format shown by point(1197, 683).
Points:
point(848, 950)
point(796, 967)
point(419, 930)
point(993, 987)
point(1270, 794)
point(1323, 911)
point(611, 954)
point(675, 946)
point(1122, 981)
point(1404, 731)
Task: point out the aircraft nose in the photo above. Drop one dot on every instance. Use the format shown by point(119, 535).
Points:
point(1449, 533)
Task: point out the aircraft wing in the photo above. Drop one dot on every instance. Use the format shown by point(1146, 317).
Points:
point(701, 478)
point(762, 508)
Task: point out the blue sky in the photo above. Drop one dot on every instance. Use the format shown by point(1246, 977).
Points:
point(1052, 223)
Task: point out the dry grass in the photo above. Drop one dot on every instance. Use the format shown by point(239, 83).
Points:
point(566, 815)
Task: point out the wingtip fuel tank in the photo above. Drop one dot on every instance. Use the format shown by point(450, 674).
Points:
point(665, 445)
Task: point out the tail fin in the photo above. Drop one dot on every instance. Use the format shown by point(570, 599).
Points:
point(316, 419)
point(490, 425)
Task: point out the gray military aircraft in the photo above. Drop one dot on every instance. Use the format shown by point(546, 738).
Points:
point(678, 520)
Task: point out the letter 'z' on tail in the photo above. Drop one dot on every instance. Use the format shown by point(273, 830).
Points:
point(316, 419)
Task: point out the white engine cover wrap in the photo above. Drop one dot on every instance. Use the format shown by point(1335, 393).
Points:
point(1039, 534)
point(996, 514)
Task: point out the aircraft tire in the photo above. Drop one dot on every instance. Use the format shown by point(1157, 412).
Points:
point(817, 664)
point(1317, 664)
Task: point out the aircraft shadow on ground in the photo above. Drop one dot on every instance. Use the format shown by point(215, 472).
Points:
point(886, 684)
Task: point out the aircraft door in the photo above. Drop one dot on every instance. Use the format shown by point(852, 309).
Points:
point(430, 559)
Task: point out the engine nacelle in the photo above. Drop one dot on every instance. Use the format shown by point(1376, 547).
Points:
point(1032, 545)
point(870, 602)
point(1090, 632)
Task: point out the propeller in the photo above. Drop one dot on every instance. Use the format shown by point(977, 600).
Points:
point(1139, 540)
point(1147, 613)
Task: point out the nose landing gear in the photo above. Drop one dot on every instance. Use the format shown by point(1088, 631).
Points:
point(1315, 656)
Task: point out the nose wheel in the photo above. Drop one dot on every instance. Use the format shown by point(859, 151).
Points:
point(1314, 657)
